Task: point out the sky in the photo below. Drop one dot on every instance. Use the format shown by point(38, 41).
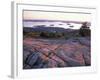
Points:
point(30, 15)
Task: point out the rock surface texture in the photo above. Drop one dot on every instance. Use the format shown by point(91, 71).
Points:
point(51, 53)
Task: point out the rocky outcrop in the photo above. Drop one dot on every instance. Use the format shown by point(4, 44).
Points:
point(45, 53)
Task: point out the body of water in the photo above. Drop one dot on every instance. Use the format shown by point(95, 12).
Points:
point(52, 24)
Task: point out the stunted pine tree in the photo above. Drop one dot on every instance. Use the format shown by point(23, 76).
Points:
point(85, 30)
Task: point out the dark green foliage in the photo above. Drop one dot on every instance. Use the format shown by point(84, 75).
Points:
point(51, 34)
point(84, 30)
point(32, 34)
point(61, 35)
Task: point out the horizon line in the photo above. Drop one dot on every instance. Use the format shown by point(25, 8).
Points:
point(46, 20)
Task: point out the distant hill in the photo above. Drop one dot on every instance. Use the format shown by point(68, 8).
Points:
point(42, 28)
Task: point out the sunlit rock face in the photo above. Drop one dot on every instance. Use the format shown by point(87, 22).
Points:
point(40, 53)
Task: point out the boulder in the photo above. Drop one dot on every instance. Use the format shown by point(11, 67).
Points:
point(32, 58)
